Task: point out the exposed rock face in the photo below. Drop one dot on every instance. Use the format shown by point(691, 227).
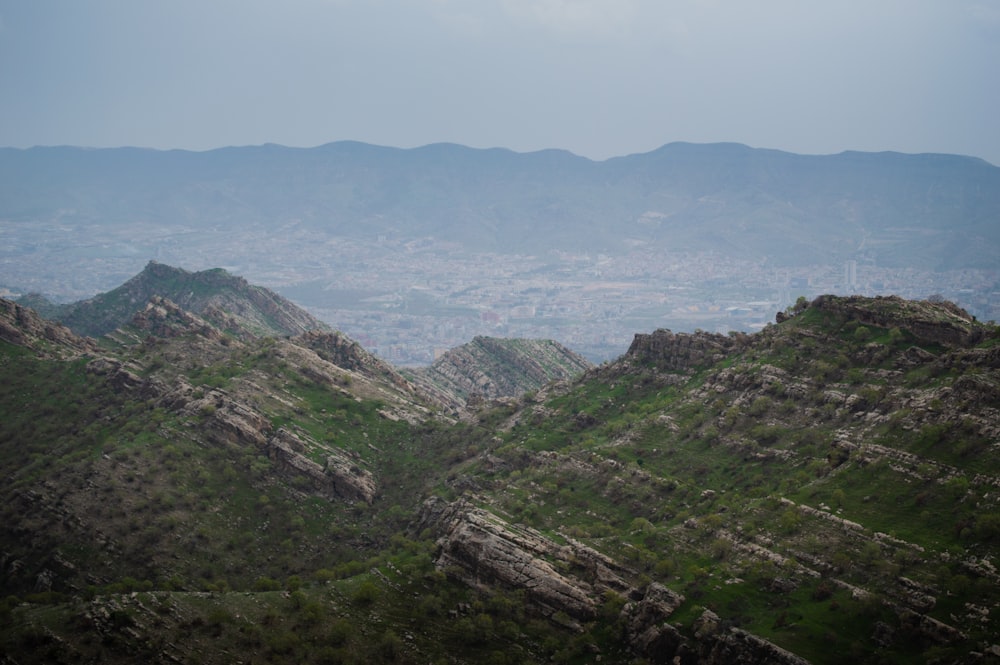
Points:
point(489, 368)
point(162, 318)
point(646, 623)
point(681, 352)
point(227, 421)
point(480, 548)
point(344, 352)
point(233, 423)
point(122, 378)
point(22, 326)
point(340, 477)
point(738, 647)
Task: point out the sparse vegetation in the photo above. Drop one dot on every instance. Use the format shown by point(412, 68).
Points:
point(821, 485)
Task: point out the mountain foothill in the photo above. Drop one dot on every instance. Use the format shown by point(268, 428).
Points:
point(197, 470)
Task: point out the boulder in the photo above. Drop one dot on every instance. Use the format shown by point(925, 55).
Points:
point(479, 548)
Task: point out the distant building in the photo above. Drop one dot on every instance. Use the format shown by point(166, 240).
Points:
point(523, 312)
point(851, 275)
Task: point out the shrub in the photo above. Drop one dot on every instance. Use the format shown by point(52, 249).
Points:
point(366, 594)
point(265, 584)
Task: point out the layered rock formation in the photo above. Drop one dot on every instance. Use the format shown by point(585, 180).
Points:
point(231, 422)
point(681, 352)
point(344, 352)
point(484, 550)
point(341, 475)
point(23, 327)
point(481, 549)
point(489, 368)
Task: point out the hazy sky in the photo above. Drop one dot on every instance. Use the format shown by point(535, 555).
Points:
point(597, 77)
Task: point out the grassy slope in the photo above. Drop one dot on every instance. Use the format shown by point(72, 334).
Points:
point(690, 482)
point(688, 479)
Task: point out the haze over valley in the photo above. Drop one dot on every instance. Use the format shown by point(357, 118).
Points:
point(507, 332)
point(413, 252)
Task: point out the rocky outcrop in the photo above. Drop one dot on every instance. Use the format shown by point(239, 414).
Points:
point(227, 421)
point(738, 647)
point(123, 378)
point(940, 322)
point(162, 318)
point(479, 548)
point(647, 627)
point(342, 351)
point(655, 639)
point(230, 422)
point(339, 477)
point(22, 326)
point(681, 352)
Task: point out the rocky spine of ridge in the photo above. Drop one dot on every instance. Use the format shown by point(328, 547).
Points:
point(489, 368)
point(342, 351)
point(681, 352)
point(163, 318)
point(232, 422)
point(22, 326)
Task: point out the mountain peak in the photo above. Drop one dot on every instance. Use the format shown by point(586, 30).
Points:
point(224, 300)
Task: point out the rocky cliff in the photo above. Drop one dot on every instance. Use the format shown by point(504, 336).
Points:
point(482, 549)
point(681, 352)
point(21, 326)
point(338, 349)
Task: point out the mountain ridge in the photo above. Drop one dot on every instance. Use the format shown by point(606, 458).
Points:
point(823, 487)
point(488, 368)
point(486, 199)
point(230, 302)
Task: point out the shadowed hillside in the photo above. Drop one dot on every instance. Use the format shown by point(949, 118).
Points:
point(821, 490)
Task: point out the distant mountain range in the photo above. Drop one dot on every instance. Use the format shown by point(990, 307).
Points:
point(930, 210)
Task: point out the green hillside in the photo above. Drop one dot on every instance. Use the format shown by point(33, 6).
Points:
point(822, 491)
point(228, 302)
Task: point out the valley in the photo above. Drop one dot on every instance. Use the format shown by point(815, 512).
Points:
point(190, 486)
point(354, 404)
point(413, 252)
point(409, 302)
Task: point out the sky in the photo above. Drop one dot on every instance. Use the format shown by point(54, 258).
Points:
point(600, 78)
